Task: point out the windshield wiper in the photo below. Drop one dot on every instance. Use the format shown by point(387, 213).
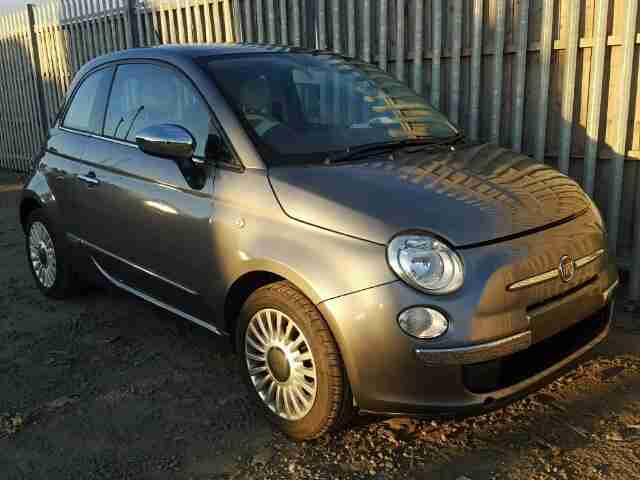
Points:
point(450, 140)
point(352, 153)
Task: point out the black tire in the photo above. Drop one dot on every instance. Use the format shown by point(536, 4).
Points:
point(333, 405)
point(64, 284)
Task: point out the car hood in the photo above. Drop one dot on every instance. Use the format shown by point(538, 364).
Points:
point(472, 195)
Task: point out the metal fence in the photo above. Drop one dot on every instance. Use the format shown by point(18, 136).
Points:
point(557, 79)
point(43, 46)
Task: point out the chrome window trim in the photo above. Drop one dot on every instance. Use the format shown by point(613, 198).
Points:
point(156, 302)
point(555, 273)
point(98, 137)
point(197, 160)
point(151, 273)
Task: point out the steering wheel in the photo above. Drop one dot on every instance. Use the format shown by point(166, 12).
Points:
point(374, 122)
point(379, 121)
point(261, 123)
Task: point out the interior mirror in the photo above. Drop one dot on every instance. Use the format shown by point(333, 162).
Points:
point(171, 141)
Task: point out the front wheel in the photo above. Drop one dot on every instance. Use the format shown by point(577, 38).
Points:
point(291, 363)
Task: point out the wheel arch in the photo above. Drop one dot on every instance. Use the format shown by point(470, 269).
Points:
point(28, 204)
point(246, 284)
point(238, 293)
point(37, 193)
point(252, 279)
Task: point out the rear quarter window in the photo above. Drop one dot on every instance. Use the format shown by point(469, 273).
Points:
point(86, 111)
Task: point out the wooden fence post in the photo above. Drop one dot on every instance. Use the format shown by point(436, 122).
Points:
point(130, 23)
point(42, 111)
point(237, 22)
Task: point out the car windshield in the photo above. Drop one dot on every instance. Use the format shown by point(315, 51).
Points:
point(301, 107)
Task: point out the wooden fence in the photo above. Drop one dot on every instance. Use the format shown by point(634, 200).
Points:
point(557, 79)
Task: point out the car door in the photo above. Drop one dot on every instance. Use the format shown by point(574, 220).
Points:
point(69, 138)
point(146, 218)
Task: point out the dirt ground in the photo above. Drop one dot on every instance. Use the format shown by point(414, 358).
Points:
point(105, 386)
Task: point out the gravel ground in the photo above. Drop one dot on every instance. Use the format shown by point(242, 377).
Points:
point(105, 386)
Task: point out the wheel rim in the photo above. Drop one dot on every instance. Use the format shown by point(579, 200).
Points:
point(42, 254)
point(280, 364)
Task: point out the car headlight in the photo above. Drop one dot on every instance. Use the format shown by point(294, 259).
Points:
point(426, 263)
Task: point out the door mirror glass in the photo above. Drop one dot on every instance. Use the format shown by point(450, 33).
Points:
point(170, 141)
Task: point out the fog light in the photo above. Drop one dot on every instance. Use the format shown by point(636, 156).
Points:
point(423, 322)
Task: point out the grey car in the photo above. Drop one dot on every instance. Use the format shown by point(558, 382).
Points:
point(359, 254)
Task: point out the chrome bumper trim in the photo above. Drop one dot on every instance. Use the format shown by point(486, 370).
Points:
point(475, 353)
point(606, 295)
point(586, 260)
point(555, 273)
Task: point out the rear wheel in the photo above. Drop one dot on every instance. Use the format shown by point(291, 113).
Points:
point(291, 362)
point(48, 257)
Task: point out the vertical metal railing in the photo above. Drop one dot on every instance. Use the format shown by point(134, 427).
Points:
point(475, 84)
point(622, 123)
point(596, 83)
point(546, 47)
point(572, 37)
point(498, 62)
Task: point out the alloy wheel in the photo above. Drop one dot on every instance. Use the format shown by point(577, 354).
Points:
point(42, 254)
point(281, 364)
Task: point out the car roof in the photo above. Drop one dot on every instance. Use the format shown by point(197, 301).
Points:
point(196, 51)
point(185, 54)
point(181, 54)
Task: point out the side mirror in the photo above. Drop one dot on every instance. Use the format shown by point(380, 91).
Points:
point(166, 140)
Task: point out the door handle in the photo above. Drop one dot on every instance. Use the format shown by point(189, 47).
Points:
point(89, 178)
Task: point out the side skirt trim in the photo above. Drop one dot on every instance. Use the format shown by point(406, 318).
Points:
point(81, 241)
point(157, 302)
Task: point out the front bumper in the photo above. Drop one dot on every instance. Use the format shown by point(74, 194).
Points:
point(488, 358)
point(491, 350)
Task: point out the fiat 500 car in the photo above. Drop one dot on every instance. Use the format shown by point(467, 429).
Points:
point(357, 251)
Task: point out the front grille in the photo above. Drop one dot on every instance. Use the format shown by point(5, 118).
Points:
point(508, 371)
point(578, 239)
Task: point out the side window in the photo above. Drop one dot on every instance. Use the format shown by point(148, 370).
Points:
point(144, 95)
point(86, 111)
